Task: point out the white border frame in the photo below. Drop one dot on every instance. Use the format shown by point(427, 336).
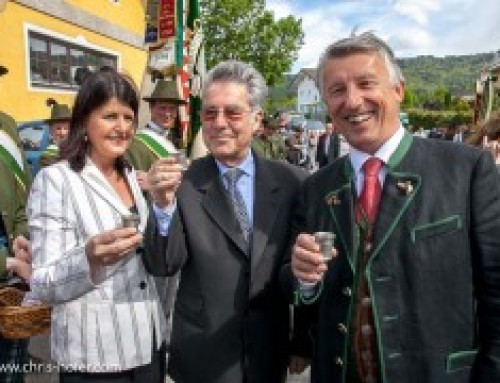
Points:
point(79, 40)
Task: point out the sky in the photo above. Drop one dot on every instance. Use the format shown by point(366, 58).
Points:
point(411, 27)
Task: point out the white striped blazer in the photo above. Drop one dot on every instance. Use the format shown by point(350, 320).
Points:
point(106, 323)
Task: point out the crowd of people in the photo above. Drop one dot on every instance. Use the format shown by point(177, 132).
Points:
point(227, 249)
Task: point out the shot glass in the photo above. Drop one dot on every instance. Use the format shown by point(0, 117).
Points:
point(325, 240)
point(131, 220)
point(181, 158)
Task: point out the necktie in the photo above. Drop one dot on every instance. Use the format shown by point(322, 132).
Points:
point(369, 198)
point(232, 176)
point(326, 148)
point(365, 338)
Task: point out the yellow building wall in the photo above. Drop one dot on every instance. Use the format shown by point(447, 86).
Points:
point(129, 14)
point(23, 103)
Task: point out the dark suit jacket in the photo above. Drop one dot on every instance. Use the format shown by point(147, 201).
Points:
point(434, 268)
point(230, 318)
point(323, 158)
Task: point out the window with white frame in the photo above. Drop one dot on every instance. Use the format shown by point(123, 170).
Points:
point(53, 62)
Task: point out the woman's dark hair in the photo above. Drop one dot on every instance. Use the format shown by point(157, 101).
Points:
point(96, 90)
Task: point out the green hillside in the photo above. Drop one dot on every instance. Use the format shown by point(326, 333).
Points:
point(423, 74)
point(458, 74)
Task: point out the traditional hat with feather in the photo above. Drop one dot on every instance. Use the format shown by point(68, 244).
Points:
point(166, 90)
point(59, 112)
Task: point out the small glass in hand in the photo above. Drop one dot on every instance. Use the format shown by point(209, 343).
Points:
point(131, 220)
point(181, 158)
point(325, 240)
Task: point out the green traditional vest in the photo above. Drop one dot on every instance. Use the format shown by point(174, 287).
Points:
point(362, 255)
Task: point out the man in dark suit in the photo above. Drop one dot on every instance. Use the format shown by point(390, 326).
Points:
point(413, 292)
point(228, 237)
point(328, 148)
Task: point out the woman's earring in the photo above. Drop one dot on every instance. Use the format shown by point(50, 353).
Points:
point(85, 138)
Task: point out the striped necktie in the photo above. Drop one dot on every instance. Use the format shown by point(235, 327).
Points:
point(232, 176)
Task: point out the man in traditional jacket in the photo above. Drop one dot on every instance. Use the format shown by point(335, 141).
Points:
point(159, 137)
point(412, 293)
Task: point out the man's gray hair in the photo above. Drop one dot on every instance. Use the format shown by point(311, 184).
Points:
point(240, 73)
point(366, 42)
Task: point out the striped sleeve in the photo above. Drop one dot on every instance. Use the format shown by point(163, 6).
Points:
point(60, 268)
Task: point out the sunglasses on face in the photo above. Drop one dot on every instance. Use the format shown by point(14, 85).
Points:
point(231, 113)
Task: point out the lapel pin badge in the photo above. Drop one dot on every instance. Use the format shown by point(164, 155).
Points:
point(333, 200)
point(405, 186)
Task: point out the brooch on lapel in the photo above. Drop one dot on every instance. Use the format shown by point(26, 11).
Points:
point(405, 186)
point(334, 200)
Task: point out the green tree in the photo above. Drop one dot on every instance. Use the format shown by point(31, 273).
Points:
point(246, 31)
point(447, 100)
point(439, 96)
point(274, 105)
point(410, 99)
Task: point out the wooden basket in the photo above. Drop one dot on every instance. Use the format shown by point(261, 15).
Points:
point(18, 321)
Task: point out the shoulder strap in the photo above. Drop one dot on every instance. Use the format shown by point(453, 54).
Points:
point(9, 153)
point(51, 150)
point(152, 144)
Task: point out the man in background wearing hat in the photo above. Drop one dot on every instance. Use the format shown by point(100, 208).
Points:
point(157, 140)
point(60, 116)
point(159, 137)
point(268, 142)
point(15, 183)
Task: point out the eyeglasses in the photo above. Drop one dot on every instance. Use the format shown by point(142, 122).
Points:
point(231, 113)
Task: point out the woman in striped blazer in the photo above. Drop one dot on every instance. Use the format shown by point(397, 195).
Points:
point(107, 323)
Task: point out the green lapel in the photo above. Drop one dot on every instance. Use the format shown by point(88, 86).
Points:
point(400, 188)
point(341, 206)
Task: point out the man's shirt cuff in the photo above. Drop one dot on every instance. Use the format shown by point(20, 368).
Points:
point(164, 217)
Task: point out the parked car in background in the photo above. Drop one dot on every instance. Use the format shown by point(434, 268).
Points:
point(315, 125)
point(35, 137)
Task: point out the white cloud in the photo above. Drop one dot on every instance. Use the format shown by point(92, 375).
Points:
point(416, 10)
point(280, 8)
point(411, 27)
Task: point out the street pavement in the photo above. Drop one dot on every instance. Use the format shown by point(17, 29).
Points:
point(53, 378)
point(302, 378)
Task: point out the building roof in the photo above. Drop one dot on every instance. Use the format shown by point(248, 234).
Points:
point(303, 73)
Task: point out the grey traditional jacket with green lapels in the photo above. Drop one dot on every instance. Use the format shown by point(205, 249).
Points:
point(433, 271)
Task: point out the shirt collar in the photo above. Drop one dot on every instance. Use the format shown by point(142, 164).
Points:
point(156, 128)
point(385, 152)
point(247, 166)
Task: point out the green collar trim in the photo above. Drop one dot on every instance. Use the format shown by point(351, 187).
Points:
point(401, 150)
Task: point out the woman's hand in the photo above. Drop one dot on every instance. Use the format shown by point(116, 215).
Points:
point(19, 267)
point(21, 248)
point(110, 246)
point(20, 264)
